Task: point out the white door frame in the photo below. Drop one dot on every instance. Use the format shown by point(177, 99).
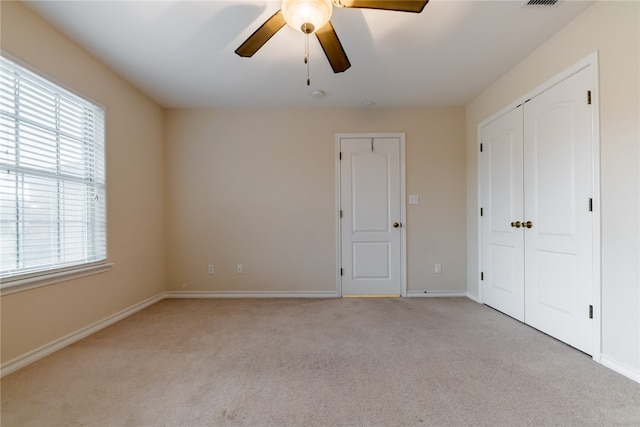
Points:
point(589, 61)
point(403, 231)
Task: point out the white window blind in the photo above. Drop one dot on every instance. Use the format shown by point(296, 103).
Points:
point(52, 176)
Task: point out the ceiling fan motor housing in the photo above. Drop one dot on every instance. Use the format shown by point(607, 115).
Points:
point(307, 16)
point(313, 16)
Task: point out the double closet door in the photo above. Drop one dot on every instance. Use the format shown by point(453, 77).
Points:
point(537, 220)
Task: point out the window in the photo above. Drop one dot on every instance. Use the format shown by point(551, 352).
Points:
point(52, 177)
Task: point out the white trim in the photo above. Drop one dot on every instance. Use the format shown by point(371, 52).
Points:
point(620, 368)
point(338, 231)
point(54, 80)
point(47, 349)
point(436, 294)
point(479, 166)
point(403, 214)
point(226, 294)
point(474, 298)
point(60, 343)
point(597, 235)
point(11, 287)
point(589, 61)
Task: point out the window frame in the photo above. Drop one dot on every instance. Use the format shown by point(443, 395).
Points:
point(21, 281)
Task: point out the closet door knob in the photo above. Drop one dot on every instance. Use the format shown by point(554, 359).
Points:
point(528, 224)
point(516, 224)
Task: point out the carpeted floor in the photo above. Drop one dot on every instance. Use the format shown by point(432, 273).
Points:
point(310, 362)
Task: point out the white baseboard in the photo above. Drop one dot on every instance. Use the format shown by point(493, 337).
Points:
point(47, 349)
point(474, 298)
point(37, 354)
point(620, 368)
point(227, 294)
point(435, 294)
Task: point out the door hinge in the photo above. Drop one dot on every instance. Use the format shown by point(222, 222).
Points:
point(590, 312)
point(340, 155)
point(340, 213)
point(481, 211)
point(589, 97)
point(341, 272)
point(481, 275)
point(481, 147)
point(590, 205)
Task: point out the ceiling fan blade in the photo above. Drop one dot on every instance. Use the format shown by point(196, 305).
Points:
point(261, 35)
point(333, 48)
point(415, 6)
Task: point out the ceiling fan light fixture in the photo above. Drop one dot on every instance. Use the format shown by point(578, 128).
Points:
point(307, 16)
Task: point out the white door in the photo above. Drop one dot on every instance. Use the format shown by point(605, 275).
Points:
point(502, 204)
point(371, 216)
point(558, 177)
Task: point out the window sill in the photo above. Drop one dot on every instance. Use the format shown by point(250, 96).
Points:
point(14, 286)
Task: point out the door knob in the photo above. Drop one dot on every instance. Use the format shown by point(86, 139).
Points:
point(516, 224)
point(397, 224)
point(528, 224)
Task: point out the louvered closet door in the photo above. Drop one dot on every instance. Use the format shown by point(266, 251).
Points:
point(558, 177)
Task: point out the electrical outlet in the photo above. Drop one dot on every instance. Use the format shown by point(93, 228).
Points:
point(210, 269)
point(239, 268)
point(438, 268)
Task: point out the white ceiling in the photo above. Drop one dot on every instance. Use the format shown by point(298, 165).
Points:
point(181, 53)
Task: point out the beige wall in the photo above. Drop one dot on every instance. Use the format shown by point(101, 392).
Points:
point(250, 186)
point(135, 196)
point(257, 186)
point(613, 29)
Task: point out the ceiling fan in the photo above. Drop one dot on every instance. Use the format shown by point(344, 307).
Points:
point(313, 16)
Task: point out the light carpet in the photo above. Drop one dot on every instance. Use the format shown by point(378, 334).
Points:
point(318, 362)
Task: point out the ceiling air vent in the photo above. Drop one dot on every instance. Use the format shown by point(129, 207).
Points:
point(541, 2)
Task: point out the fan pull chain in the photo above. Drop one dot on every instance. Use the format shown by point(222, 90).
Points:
point(306, 56)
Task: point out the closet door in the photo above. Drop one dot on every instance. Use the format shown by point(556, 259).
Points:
point(370, 199)
point(558, 240)
point(502, 202)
